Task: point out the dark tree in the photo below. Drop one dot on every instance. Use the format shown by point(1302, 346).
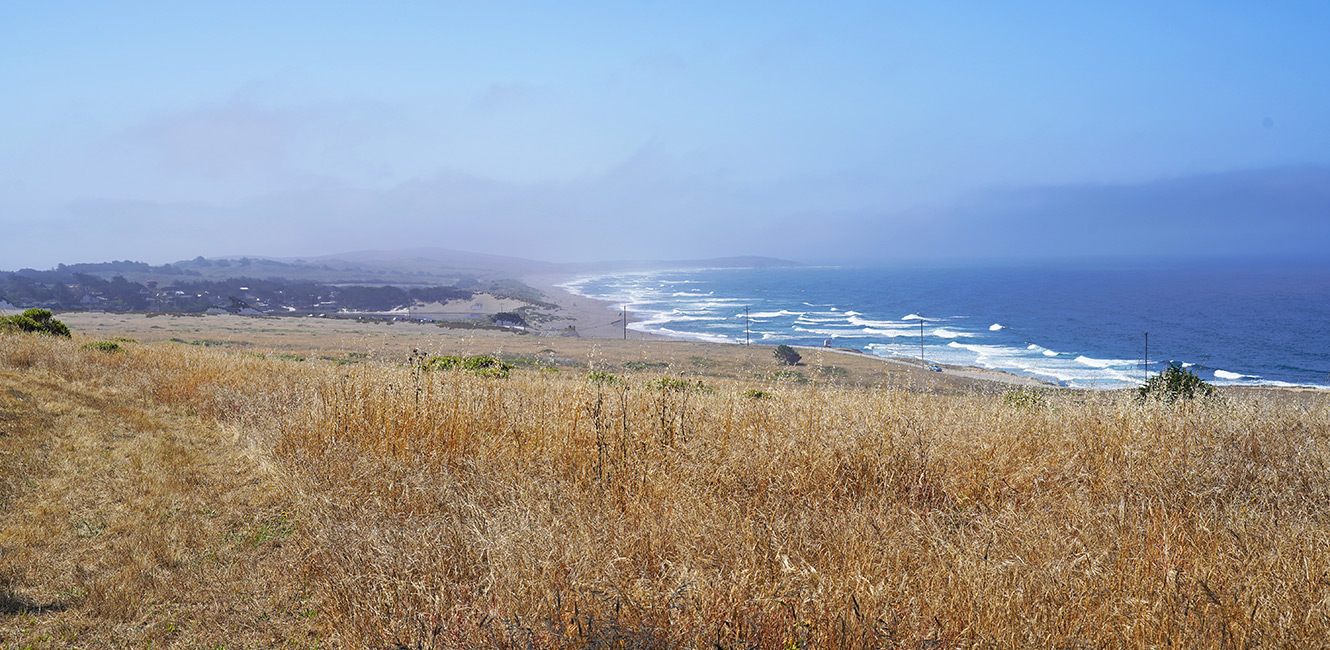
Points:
point(787, 355)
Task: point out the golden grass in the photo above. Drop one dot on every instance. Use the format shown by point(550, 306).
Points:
point(437, 510)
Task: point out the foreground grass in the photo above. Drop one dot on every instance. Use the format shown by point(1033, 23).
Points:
point(378, 505)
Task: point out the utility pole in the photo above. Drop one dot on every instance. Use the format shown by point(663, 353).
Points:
point(747, 340)
point(921, 342)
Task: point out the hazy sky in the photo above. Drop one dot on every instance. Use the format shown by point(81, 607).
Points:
point(566, 131)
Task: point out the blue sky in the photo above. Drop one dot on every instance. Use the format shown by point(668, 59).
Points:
point(569, 131)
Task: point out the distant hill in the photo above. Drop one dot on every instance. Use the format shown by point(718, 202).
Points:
point(432, 266)
point(358, 280)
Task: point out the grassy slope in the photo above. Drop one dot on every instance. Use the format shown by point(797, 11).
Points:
point(126, 522)
point(184, 495)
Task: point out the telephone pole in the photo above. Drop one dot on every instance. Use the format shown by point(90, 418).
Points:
point(921, 342)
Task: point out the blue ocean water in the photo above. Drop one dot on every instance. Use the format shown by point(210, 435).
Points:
point(1083, 327)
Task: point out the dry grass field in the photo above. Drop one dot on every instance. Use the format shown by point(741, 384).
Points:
point(176, 495)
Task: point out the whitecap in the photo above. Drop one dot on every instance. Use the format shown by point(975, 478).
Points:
point(995, 327)
point(884, 324)
point(1103, 363)
point(809, 318)
point(891, 334)
point(1232, 376)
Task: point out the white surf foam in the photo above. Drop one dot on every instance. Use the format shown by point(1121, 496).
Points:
point(1232, 376)
point(881, 324)
point(1103, 363)
point(995, 327)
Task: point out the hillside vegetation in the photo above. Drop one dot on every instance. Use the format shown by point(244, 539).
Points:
point(186, 496)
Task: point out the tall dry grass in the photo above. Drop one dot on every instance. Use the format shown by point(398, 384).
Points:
point(446, 510)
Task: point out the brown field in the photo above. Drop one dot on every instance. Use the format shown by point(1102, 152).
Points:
point(238, 490)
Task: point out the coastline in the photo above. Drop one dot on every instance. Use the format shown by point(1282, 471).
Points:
point(592, 319)
point(1085, 366)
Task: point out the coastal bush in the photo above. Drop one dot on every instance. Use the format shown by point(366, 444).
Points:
point(787, 355)
point(668, 384)
point(753, 393)
point(485, 362)
point(482, 365)
point(102, 346)
point(38, 321)
point(1024, 399)
point(1173, 384)
point(447, 362)
point(602, 377)
point(789, 375)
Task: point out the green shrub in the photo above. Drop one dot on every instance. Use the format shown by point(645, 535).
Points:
point(103, 346)
point(38, 321)
point(787, 355)
point(790, 375)
point(442, 363)
point(1173, 384)
point(668, 384)
point(1024, 398)
point(481, 366)
point(671, 384)
point(486, 362)
point(600, 377)
point(753, 393)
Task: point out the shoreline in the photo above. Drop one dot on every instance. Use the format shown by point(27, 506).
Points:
point(587, 313)
point(583, 312)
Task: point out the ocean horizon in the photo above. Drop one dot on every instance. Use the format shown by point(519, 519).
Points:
point(1073, 326)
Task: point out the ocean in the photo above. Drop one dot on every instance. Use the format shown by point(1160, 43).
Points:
point(1243, 324)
